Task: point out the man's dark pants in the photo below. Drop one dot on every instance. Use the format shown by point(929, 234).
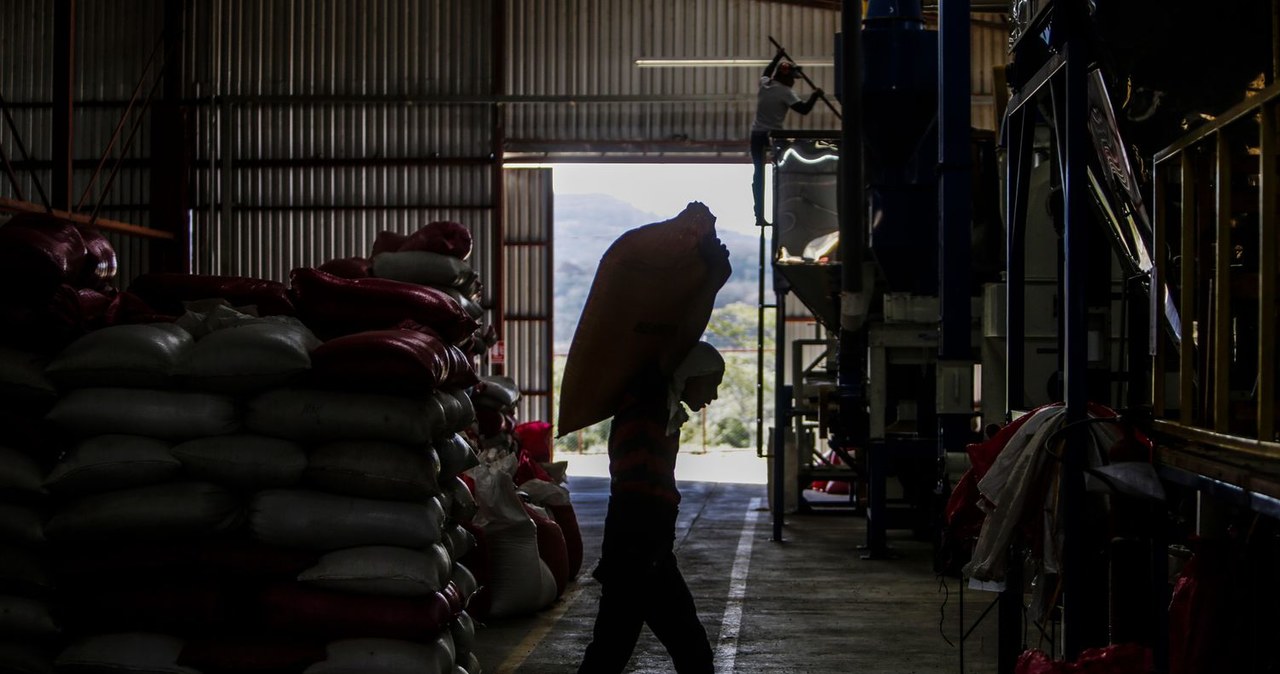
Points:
point(640, 584)
point(759, 139)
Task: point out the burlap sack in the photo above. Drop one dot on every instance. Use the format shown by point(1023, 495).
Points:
point(649, 303)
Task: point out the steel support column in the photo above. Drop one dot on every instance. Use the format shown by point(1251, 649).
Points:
point(955, 193)
point(64, 83)
point(851, 358)
point(1084, 627)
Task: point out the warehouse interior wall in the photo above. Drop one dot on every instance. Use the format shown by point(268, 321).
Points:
point(264, 135)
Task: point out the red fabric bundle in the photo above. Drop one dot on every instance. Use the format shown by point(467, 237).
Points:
point(100, 263)
point(127, 308)
point(1200, 603)
point(295, 609)
point(1114, 659)
point(443, 237)
point(387, 242)
point(528, 469)
point(403, 361)
point(167, 292)
point(568, 521)
point(47, 327)
point(454, 597)
point(231, 655)
point(535, 440)
point(551, 547)
point(332, 306)
point(349, 267)
point(38, 253)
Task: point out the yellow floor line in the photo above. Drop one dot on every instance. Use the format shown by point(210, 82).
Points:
point(535, 636)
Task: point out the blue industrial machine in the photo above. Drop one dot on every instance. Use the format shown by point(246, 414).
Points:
point(870, 387)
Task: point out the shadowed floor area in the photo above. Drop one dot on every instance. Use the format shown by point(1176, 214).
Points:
point(809, 604)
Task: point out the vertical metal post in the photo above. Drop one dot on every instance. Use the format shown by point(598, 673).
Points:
point(1187, 301)
point(1155, 341)
point(498, 38)
point(1009, 618)
point(1267, 260)
point(172, 149)
point(64, 82)
point(1221, 318)
point(1083, 626)
point(781, 409)
point(955, 194)
point(853, 235)
point(1020, 133)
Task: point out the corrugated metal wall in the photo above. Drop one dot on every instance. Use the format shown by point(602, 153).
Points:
point(528, 288)
point(325, 126)
point(584, 51)
point(114, 42)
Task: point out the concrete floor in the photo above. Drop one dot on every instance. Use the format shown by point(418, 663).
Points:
point(809, 604)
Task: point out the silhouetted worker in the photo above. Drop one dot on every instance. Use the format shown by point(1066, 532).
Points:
point(639, 581)
point(773, 100)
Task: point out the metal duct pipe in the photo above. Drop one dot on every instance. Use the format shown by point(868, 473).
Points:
point(851, 373)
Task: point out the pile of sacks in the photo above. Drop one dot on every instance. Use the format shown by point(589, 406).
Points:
point(529, 547)
point(268, 483)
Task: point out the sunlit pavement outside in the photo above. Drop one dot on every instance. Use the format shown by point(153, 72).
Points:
point(740, 466)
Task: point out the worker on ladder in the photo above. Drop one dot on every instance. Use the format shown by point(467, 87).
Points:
point(774, 98)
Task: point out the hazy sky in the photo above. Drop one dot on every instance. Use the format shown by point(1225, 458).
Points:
point(665, 189)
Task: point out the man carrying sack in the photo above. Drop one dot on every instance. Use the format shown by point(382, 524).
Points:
point(636, 357)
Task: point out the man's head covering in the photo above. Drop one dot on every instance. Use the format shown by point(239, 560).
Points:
point(702, 359)
point(785, 69)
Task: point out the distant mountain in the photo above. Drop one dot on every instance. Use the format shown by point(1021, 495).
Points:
point(585, 226)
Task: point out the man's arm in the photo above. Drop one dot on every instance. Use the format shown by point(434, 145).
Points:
point(768, 70)
point(803, 107)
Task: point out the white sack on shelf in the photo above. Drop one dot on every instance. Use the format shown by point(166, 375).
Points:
point(463, 629)
point(243, 460)
point(20, 524)
point(173, 415)
point(497, 392)
point(465, 581)
point(22, 378)
point(458, 411)
point(26, 618)
point(379, 570)
point(470, 664)
point(327, 416)
point(24, 573)
point(422, 267)
point(518, 584)
point(125, 653)
point(249, 356)
point(24, 658)
point(20, 476)
point(109, 462)
point(499, 503)
point(141, 356)
point(379, 470)
point(460, 541)
point(464, 506)
point(456, 456)
point(544, 493)
point(317, 521)
point(152, 513)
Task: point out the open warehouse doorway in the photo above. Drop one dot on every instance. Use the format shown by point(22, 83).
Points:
point(594, 204)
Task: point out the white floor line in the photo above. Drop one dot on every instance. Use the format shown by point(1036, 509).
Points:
point(731, 625)
point(535, 636)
